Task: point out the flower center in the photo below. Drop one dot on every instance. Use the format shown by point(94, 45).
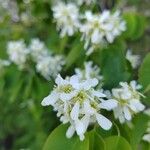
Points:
point(81, 96)
point(66, 88)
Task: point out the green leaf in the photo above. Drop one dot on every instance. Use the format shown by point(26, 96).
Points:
point(117, 143)
point(139, 28)
point(96, 141)
point(104, 134)
point(76, 52)
point(135, 25)
point(130, 24)
point(144, 72)
point(145, 146)
point(58, 141)
point(113, 65)
point(140, 126)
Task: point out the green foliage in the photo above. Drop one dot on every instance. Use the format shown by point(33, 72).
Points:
point(24, 124)
point(116, 143)
point(58, 141)
point(135, 26)
point(95, 141)
point(114, 69)
point(140, 126)
point(144, 73)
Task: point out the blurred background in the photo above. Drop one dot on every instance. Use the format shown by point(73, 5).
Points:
point(24, 123)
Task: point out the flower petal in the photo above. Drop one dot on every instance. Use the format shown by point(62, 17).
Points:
point(67, 96)
point(89, 83)
point(127, 113)
point(98, 94)
point(60, 81)
point(75, 111)
point(103, 122)
point(80, 128)
point(50, 99)
point(70, 132)
point(108, 104)
point(137, 105)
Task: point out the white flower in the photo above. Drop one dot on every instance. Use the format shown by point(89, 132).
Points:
point(79, 104)
point(37, 49)
point(17, 52)
point(66, 17)
point(133, 59)
point(50, 66)
point(128, 101)
point(10, 8)
point(4, 63)
point(100, 29)
point(89, 72)
point(146, 136)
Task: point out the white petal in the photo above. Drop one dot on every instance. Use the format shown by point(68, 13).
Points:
point(96, 36)
point(70, 132)
point(74, 81)
point(60, 81)
point(66, 97)
point(81, 137)
point(50, 99)
point(109, 37)
point(98, 94)
point(133, 84)
point(89, 83)
point(115, 93)
point(108, 104)
point(75, 111)
point(80, 128)
point(103, 122)
point(87, 108)
point(127, 113)
point(137, 105)
point(146, 137)
point(121, 119)
point(86, 121)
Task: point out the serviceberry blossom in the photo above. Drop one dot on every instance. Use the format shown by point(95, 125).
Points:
point(146, 136)
point(78, 103)
point(100, 29)
point(50, 66)
point(4, 63)
point(66, 17)
point(90, 71)
point(133, 59)
point(37, 49)
point(128, 101)
point(9, 7)
point(17, 52)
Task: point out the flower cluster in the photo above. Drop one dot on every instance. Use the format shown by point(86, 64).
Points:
point(66, 16)
point(133, 59)
point(128, 101)
point(89, 72)
point(37, 49)
point(17, 52)
point(96, 29)
point(78, 103)
point(9, 7)
point(47, 64)
point(99, 29)
point(50, 66)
